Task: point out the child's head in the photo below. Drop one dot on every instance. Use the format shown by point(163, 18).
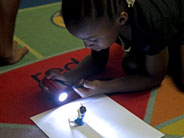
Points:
point(82, 109)
point(96, 22)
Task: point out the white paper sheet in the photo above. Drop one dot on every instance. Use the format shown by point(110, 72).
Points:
point(104, 118)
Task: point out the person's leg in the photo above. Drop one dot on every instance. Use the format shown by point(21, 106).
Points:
point(9, 52)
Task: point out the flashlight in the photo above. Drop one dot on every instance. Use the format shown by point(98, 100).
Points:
point(63, 96)
point(55, 91)
point(58, 95)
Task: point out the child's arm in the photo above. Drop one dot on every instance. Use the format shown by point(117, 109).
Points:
point(156, 67)
point(90, 65)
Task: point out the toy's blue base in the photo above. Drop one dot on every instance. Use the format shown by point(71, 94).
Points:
point(79, 121)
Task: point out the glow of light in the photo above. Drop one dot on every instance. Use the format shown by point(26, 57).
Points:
point(63, 96)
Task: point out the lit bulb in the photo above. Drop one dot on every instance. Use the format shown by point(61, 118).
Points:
point(63, 96)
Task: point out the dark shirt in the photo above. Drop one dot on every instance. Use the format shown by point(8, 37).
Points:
point(156, 24)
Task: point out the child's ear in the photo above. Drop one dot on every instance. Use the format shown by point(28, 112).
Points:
point(123, 18)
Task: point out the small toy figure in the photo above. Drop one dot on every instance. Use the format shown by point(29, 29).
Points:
point(79, 120)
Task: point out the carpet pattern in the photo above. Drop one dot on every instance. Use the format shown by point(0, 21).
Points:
point(52, 47)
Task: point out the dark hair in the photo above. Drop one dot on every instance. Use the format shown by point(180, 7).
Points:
point(82, 109)
point(79, 11)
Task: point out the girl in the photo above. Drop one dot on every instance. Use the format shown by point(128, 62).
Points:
point(152, 31)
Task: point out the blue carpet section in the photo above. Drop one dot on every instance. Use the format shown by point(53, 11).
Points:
point(32, 3)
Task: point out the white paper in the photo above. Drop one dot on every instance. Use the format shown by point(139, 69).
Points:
point(104, 118)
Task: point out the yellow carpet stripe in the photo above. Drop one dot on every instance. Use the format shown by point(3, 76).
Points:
point(39, 7)
point(176, 128)
point(31, 50)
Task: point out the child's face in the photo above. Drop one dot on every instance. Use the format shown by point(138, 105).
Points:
point(96, 35)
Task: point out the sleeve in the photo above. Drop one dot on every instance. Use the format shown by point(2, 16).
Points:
point(163, 33)
point(101, 57)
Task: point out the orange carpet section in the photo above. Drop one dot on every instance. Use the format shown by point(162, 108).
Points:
point(169, 103)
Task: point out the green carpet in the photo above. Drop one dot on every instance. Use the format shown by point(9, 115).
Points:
point(36, 29)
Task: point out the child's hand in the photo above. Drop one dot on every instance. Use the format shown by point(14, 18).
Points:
point(54, 75)
point(91, 88)
point(44, 88)
point(57, 78)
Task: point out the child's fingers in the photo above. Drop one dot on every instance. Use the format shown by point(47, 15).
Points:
point(82, 92)
point(62, 86)
point(89, 84)
point(81, 82)
point(43, 87)
point(49, 74)
point(53, 75)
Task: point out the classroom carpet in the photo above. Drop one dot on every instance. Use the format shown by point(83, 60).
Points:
point(51, 47)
